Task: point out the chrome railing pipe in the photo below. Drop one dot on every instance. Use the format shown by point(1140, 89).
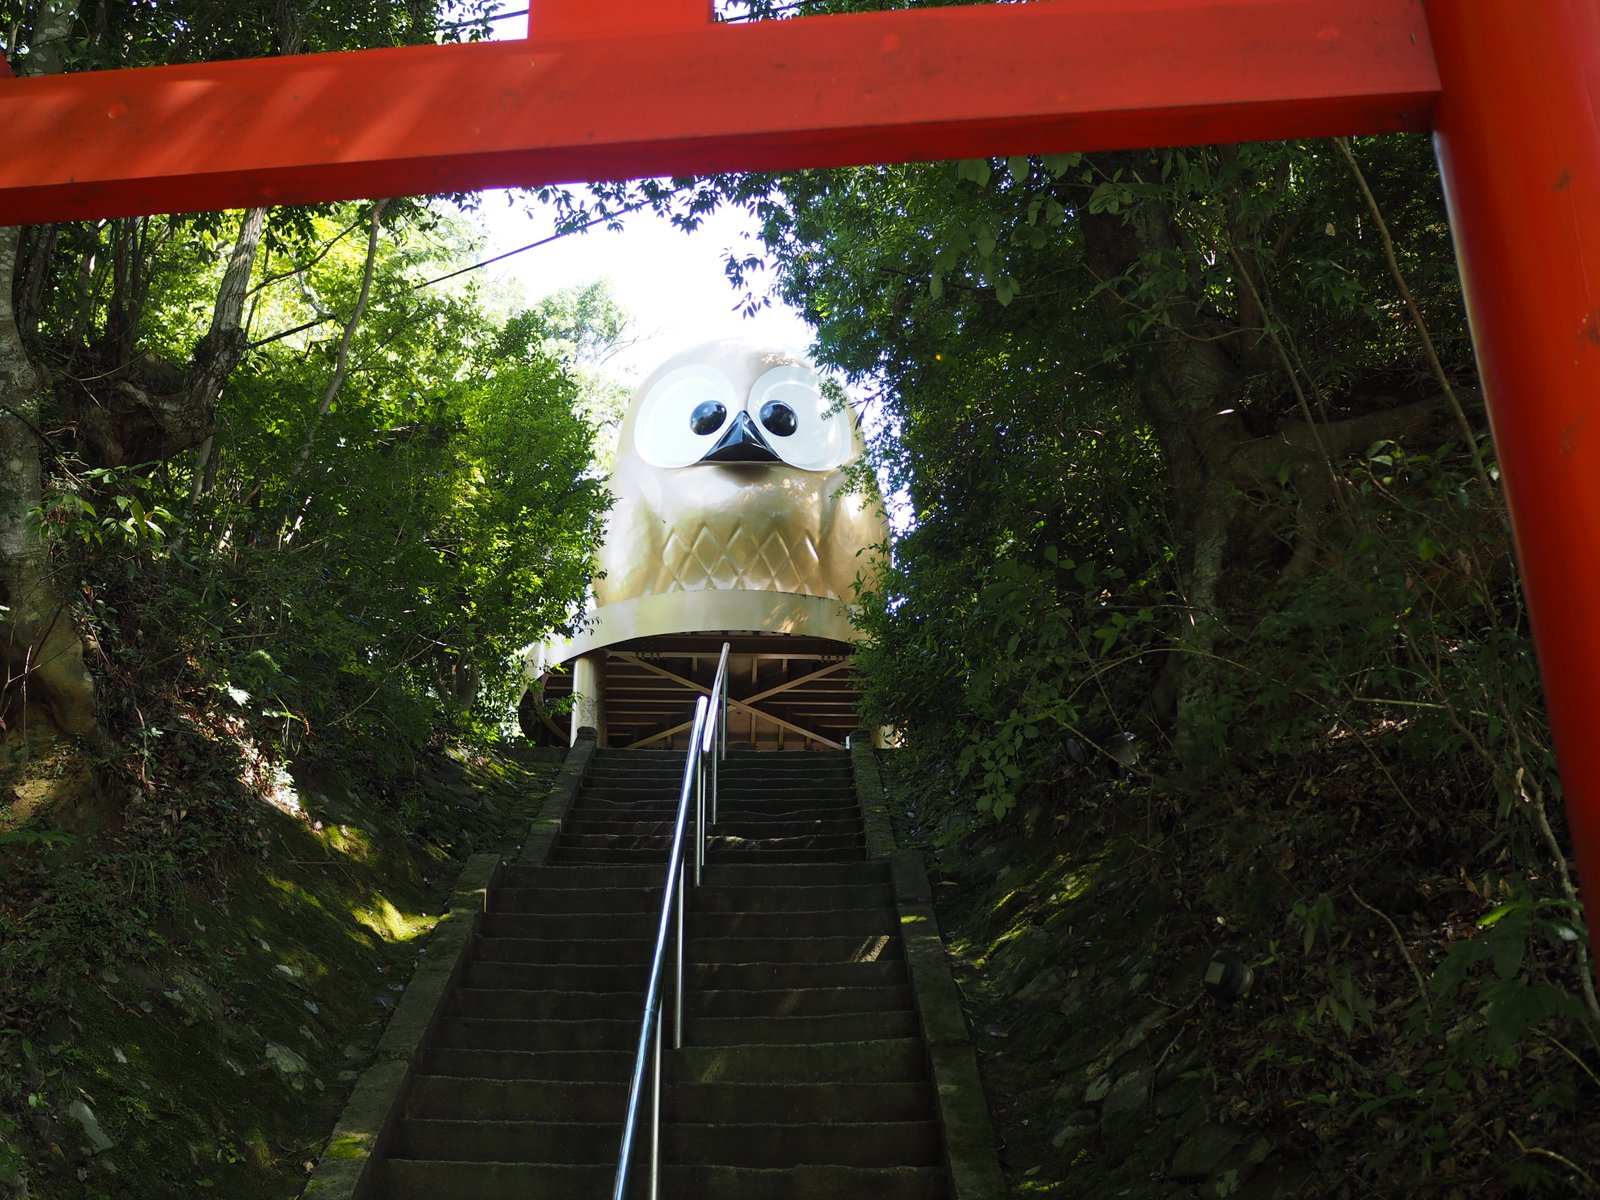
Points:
point(650, 1025)
point(707, 745)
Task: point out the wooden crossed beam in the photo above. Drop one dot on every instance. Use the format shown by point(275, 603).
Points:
point(743, 704)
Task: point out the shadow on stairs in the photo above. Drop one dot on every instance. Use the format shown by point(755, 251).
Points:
point(805, 1070)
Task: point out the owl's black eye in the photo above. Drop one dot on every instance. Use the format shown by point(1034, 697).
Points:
point(707, 417)
point(779, 418)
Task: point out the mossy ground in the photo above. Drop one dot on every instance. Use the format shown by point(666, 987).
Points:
point(212, 1039)
point(1399, 1040)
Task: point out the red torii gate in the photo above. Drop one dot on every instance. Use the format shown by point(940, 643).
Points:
point(1509, 88)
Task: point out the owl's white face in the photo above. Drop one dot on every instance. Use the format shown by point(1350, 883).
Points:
point(730, 476)
point(713, 412)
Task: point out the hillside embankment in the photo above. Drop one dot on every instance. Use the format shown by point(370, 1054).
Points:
point(1416, 1024)
point(192, 1030)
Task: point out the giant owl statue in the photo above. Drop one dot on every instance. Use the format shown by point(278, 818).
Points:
point(731, 475)
point(733, 513)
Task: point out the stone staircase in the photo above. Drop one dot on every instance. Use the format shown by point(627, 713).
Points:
point(803, 1074)
point(775, 808)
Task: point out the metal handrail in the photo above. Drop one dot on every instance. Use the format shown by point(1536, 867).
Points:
point(707, 744)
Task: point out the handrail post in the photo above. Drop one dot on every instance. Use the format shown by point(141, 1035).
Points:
point(655, 1121)
point(699, 818)
point(714, 759)
point(677, 1020)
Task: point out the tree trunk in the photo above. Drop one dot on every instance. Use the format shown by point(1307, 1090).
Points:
point(1187, 390)
point(222, 347)
point(43, 651)
point(341, 365)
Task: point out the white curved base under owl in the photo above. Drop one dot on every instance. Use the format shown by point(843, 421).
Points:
point(699, 612)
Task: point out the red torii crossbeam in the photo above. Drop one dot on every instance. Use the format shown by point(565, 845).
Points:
point(590, 96)
point(1510, 88)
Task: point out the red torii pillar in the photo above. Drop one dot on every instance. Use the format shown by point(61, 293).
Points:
point(1509, 88)
point(1517, 131)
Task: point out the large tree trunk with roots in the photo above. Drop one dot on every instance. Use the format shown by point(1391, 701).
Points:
point(44, 654)
point(1190, 393)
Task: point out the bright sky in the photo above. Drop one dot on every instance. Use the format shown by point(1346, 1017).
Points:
point(671, 282)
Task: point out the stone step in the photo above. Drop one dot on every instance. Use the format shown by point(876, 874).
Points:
point(557, 902)
point(533, 1034)
point(565, 977)
point(885, 1060)
point(702, 950)
point(419, 1179)
point(797, 948)
point(758, 763)
point(832, 765)
point(794, 1103)
point(589, 835)
point(717, 874)
point(622, 1033)
point(559, 951)
point(791, 875)
point(703, 923)
point(718, 845)
point(796, 1031)
point(711, 897)
point(797, 1002)
point(509, 1141)
point(555, 1066)
point(753, 853)
point(556, 1006)
point(568, 878)
point(874, 1144)
point(760, 976)
point(728, 820)
point(465, 1098)
point(665, 801)
point(457, 1097)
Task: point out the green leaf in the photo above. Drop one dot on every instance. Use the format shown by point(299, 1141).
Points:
point(1493, 917)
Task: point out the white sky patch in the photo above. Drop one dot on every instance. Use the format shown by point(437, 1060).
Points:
point(671, 282)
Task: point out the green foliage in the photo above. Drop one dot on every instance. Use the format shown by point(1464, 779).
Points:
point(389, 508)
point(371, 563)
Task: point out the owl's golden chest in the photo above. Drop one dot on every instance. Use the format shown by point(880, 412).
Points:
point(721, 554)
